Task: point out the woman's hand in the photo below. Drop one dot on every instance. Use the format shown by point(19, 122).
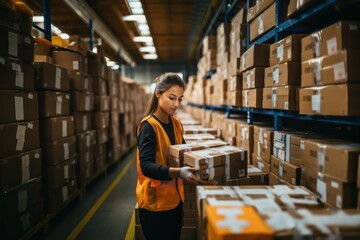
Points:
point(188, 173)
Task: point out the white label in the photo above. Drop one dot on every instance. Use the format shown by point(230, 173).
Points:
point(58, 78)
point(280, 170)
point(25, 170)
point(64, 128)
point(280, 52)
point(37, 156)
point(84, 122)
point(261, 24)
point(66, 171)
point(246, 98)
point(87, 102)
point(331, 45)
point(86, 83)
point(30, 125)
point(338, 201)
point(353, 27)
point(20, 144)
point(321, 157)
point(274, 98)
point(286, 105)
point(315, 103)
point(27, 40)
point(321, 189)
point(30, 96)
point(289, 55)
point(66, 151)
point(2, 60)
point(20, 132)
point(19, 79)
point(317, 71)
point(339, 71)
point(317, 48)
point(19, 108)
point(22, 200)
point(16, 67)
point(76, 65)
point(302, 145)
point(259, 149)
point(88, 138)
point(13, 44)
point(65, 193)
point(58, 104)
point(260, 165)
point(334, 185)
point(275, 75)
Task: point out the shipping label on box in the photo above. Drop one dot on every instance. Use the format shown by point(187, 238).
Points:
point(283, 98)
point(53, 104)
point(82, 121)
point(80, 81)
point(82, 101)
point(16, 75)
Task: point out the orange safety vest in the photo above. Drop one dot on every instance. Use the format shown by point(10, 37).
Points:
point(157, 195)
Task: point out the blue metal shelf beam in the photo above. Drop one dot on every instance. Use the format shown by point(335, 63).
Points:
point(47, 19)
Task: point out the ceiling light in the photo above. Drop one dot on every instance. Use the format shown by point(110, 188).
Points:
point(145, 32)
point(137, 11)
point(143, 39)
point(143, 26)
point(94, 50)
point(149, 43)
point(64, 36)
point(149, 49)
point(110, 63)
point(150, 56)
point(136, 18)
point(38, 19)
point(136, 4)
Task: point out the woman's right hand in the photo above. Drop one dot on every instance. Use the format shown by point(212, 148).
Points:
point(188, 174)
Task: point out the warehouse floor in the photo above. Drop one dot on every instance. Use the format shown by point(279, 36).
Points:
point(106, 209)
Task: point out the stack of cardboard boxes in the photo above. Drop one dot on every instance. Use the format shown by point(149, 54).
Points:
point(261, 17)
point(21, 205)
point(330, 76)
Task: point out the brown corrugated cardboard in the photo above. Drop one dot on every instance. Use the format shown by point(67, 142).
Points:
point(16, 45)
point(58, 197)
point(287, 49)
point(204, 158)
point(274, 180)
point(234, 98)
point(16, 74)
point(100, 120)
point(255, 177)
point(252, 98)
point(100, 86)
point(80, 81)
point(309, 178)
point(283, 98)
point(258, 8)
point(18, 106)
point(264, 22)
point(288, 73)
point(285, 171)
point(16, 138)
point(179, 150)
point(96, 68)
point(85, 140)
point(19, 169)
point(325, 156)
point(101, 103)
point(261, 164)
point(55, 128)
point(102, 136)
point(256, 56)
point(337, 100)
point(70, 60)
point(40, 49)
point(51, 77)
point(175, 161)
point(85, 156)
point(53, 104)
point(86, 173)
point(209, 43)
point(194, 129)
point(340, 35)
point(57, 175)
point(336, 193)
point(58, 150)
point(82, 121)
point(294, 6)
point(340, 67)
point(253, 78)
point(211, 172)
point(82, 101)
point(198, 137)
point(43, 58)
point(310, 46)
point(76, 44)
point(239, 18)
point(234, 83)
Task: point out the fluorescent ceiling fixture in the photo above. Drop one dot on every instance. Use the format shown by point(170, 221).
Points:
point(64, 36)
point(143, 26)
point(150, 56)
point(38, 19)
point(143, 39)
point(145, 32)
point(149, 43)
point(136, 4)
point(137, 11)
point(115, 67)
point(94, 50)
point(136, 18)
point(110, 63)
point(55, 30)
point(150, 49)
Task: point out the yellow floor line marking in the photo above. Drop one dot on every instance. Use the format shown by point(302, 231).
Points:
point(130, 234)
point(99, 202)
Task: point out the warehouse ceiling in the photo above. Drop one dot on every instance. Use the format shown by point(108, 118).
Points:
point(175, 25)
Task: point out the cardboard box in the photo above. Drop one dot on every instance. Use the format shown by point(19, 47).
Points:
point(288, 73)
point(57, 198)
point(252, 98)
point(283, 98)
point(261, 164)
point(211, 143)
point(256, 56)
point(82, 121)
point(82, 101)
point(239, 18)
point(56, 176)
point(51, 77)
point(295, 6)
point(102, 136)
point(204, 158)
point(175, 161)
point(325, 155)
point(42, 50)
point(16, 45)
point(85, 156)
point(340, 35)
point(285, 171)
point(70, 60)
point(85, 140)
point(264, 22)
point(100, 86)
point(259, 7)
point(16, 138)
point(255, 177)
point(234, 98)
point(287, 49)
point(58, 150)
point(80, 81)
point(96, 68)
point(100, 120)
point(234, 83)
point(86, 173)
point(55, 128)
point(18, 106)
point(336, 193)
point(253, 78)
point(336, 100)
point(179, 149)
point(340, 67)
point(16, 75)
point(193, 129)
point(310, 46)
point(101, 103)
point(274, 180)
point(19, 169)
point(198, 137)
point(309, 178)
point(209, 43)
point(43, 58)
point(211, 172)
point(53, 104)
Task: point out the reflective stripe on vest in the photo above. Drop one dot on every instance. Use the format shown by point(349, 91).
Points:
point(157, 195)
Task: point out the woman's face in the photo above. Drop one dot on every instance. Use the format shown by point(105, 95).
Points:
point(171, 99)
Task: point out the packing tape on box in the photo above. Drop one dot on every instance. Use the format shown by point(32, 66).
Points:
point(20, 137)
point(204, 192)
point(87, 103)
point(75, 65)
point(13, 44)
point(321, 154)
point(59, 101)
point(66, 151)
point(317, 63)
point(210, 172)
point(321, 189)
point(248, 79)
point(242, 173)
point(22, 200)
point(280, 52)
point(66, 171)
point(84, 118)
point(243, 192)
point(16, 67)
point(281, 170)
point(274, 97)
point(25, 168)
point(106, 104)
point(261, 24)
point(86, 83)
point(230, 220)
point(280, 221)
point(276, 75)
point(212, 201)
point(58, 78)
point(264, 205)
point(19, 79)
point(19, 108)
point(65, 192)
point(64, 128)
point(88, 140)
point(87, 157)
point(279, 190)
point(316, 102)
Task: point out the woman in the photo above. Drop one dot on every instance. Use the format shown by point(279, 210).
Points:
point(159, 189)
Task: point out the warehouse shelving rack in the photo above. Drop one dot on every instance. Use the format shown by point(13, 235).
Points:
point(316, 12)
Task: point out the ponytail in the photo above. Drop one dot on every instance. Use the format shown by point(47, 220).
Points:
point(152, 105)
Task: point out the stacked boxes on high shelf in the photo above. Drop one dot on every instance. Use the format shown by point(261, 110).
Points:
point(21, 204)
point(261, 18)
point(263, 147)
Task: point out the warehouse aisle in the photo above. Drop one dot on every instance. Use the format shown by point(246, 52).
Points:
point(106, 210)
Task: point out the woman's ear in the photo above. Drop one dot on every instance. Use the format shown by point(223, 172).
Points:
point(157, 93)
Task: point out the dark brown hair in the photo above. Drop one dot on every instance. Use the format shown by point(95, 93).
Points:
point(163, 83)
